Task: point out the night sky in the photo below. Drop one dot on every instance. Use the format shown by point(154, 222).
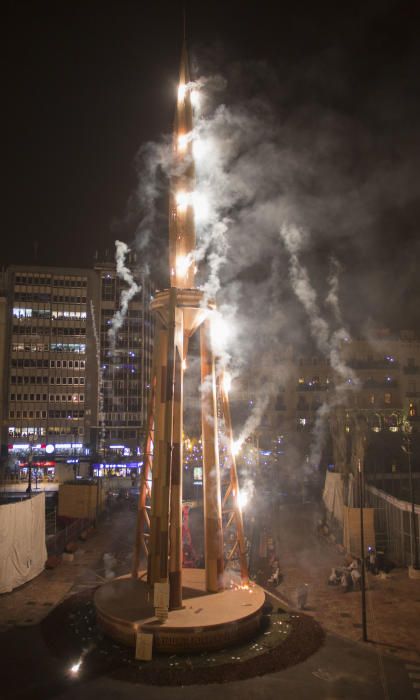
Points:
point(87, 83)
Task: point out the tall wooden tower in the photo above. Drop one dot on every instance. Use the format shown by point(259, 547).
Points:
point(180, 311)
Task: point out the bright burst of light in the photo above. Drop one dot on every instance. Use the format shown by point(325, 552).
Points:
point(182, 200)
point(182, 88)
point(236, 446)
point(182, 142)
point(227, 382)
point(76, 667)
point(184, 364)
point(183, 263)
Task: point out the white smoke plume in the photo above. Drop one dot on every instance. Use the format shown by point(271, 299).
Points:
point(327, 340)
point(333, 294)
point(258, 167)
point(121, 250)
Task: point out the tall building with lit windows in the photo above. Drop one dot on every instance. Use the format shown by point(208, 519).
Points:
point(66, 398)
point(46, 406)
point(123, 375)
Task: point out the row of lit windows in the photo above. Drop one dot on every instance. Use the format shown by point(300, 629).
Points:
point(48, 280)
point(44, 397)
point(80, 348)
point(30, 347)
point(21, 312)
point(46, 330)
point(68, 414)
point(34, 431)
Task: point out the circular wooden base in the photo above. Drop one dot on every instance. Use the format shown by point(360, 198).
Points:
point(206, 621)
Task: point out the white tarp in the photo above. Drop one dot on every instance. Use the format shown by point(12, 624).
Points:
point(333, 495)
point(22, 542)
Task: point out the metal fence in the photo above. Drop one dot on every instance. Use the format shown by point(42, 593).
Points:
point(393, 525)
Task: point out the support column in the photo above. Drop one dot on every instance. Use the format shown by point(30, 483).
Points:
point(161, 501)
point(175, 526)
point(213, 537)
point(142, 515)
point(153, 568)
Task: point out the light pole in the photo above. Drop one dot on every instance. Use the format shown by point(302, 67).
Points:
point(362, 550)
point(414, 550)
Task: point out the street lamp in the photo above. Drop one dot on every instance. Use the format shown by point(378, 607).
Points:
point(414, 551)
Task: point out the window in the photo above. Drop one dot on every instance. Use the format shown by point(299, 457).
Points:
point(387, 398)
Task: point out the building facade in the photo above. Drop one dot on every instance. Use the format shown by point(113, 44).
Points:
point(55, 370)
point(375, 401)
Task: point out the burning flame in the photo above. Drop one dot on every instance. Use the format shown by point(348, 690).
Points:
point(184, 364)
point(182, 89)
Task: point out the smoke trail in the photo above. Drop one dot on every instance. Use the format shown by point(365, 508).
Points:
point(328, 341)
point(101, 415)
point(332, 296)
point(254, 420)
point(121, 250)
